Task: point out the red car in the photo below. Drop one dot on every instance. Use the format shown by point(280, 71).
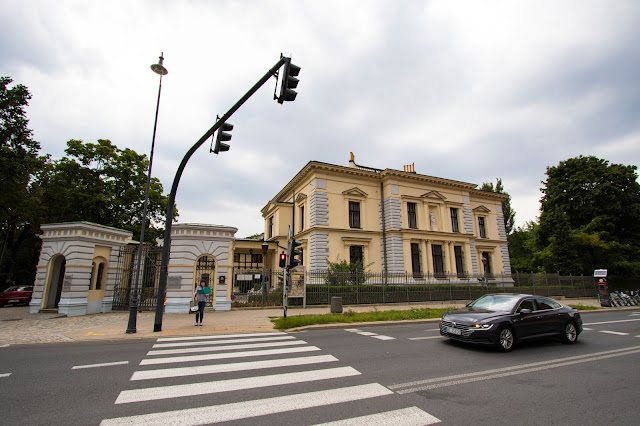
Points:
point(16, 295)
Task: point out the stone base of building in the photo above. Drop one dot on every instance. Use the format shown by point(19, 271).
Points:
point(223, 305)
point(73, 307)
point(34, 306)
point(177, 305)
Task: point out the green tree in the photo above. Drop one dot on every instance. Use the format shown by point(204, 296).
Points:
point(342, 272)
point(522, 248)
point(599, 204)
point(19, 164)
point(103, 184)
point(507, 212)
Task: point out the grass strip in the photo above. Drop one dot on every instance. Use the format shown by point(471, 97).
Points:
point(584, 308)
point(354, 317)
point(350, 316)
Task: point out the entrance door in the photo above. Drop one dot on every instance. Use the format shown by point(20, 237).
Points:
point(56, 281)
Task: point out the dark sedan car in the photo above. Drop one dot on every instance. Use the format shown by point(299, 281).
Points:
point(16, 295)
point(502, 320)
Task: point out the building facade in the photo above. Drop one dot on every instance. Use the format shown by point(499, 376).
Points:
point(393, 221)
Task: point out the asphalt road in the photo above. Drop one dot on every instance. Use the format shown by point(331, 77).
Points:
point(398, 372)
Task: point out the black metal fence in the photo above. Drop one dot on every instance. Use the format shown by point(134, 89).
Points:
point(369, 288)
point(126, 275)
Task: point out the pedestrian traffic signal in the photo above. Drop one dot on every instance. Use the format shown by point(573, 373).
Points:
point(289, 82)
point(293, 261)
point(223, 137)
point(283, 260)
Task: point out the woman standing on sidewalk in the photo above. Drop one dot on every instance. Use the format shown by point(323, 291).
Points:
point(201, 297)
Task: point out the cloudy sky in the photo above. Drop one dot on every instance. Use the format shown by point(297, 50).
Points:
point(467, 90)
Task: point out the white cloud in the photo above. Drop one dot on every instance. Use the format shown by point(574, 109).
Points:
point(466, 90)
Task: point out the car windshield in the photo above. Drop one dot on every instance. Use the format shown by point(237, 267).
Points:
point(14, 288)
point(497, 302)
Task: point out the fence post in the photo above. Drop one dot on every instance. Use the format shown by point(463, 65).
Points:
point(357, 292)
point(328, 291)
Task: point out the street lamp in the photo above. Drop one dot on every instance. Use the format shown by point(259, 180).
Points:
point(131, 328)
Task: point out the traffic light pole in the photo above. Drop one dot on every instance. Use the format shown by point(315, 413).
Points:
point(166, 249)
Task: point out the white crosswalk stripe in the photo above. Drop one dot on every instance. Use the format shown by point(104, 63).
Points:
point(226, 368)
point(295, 365)
point(219, 342)
point(226, 347)
point(247, 409)
point(203, 388)
point(207, 357)
point(412, 416)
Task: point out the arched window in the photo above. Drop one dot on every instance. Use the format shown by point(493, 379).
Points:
point(100, 276)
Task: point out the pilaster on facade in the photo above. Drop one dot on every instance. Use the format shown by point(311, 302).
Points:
point(318, 209)
point(318, 250)
point(468, 220)
point(393, 213)
point(506, 261)
point(395, 253)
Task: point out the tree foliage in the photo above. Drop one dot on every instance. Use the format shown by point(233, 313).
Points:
point(507, 212)
point(100, 183)
point(589, 218)
point(597, 197)
point(19, 164)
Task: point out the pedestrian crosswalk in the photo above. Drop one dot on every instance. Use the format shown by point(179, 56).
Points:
point(251, 377)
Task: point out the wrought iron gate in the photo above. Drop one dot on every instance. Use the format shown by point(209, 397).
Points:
point(126, 275)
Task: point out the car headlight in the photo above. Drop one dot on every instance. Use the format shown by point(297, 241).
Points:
point(482, 326)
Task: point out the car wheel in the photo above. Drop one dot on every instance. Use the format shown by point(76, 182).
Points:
point(506, 339)
point(570, 334)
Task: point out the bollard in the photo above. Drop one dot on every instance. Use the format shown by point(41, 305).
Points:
point(336, 305)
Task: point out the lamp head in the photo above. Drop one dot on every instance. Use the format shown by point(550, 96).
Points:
point(159, 68)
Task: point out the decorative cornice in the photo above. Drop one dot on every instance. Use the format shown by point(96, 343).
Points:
point(482, 209)
point(488, 194)
point(434, 195)
point(355, 191)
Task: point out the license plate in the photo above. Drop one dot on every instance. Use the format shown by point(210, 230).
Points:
point(452, 330)
point(13, 301)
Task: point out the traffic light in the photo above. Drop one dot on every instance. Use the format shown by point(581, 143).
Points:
point(293, 262)
point(283, 260)
point(289, 82)
point(223, 137)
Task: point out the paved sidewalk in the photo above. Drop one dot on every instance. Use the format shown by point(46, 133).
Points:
point(17, 326)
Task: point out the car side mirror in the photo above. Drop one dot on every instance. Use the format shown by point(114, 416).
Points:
point(526, 311)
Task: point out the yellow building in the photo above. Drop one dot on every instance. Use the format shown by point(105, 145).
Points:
point(394, 221)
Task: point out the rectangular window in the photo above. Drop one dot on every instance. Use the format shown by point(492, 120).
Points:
point(270, 227)
point(411, 214)
point(301, 218)
point(256, 258)
point(481, 227)
point(438, 260)
point(355, 254)
point(454, 221)
point(486, 263)
point(415, 260)
point(459, 260)
point(354, 214)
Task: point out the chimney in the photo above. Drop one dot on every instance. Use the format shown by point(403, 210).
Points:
point(352, 162)
point(410, 168)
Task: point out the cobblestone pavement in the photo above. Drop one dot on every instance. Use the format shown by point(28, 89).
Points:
point(18, 326)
